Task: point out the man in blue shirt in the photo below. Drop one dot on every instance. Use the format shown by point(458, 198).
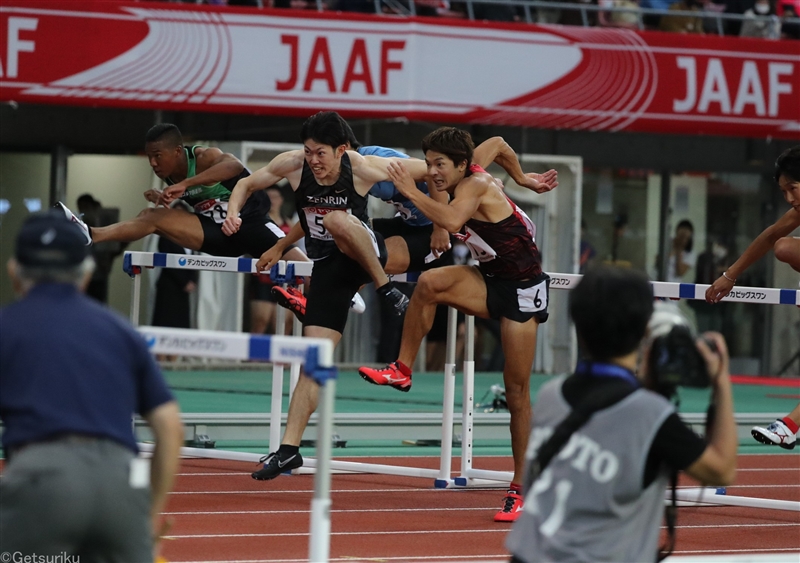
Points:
point(73, 374)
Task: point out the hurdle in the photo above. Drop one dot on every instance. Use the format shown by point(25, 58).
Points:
point(133, 262)
point(473, 477)
point(283, 272)
point(286, 271)
point(317, 354)
point(710, 496)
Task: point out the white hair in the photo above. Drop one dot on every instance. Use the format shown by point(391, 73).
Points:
point(30, 276)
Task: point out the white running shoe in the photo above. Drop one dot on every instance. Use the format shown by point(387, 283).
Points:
point(77, 220)
point(357, 304)
point(776, 434)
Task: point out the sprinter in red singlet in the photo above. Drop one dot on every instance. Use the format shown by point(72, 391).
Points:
point(508, 284)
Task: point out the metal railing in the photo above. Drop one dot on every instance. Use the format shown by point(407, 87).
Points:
point(530, 11)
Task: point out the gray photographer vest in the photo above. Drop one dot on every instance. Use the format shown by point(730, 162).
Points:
point(589, 504)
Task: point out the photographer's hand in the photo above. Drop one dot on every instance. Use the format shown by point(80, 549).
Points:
point(717, 465)
point(715, 353)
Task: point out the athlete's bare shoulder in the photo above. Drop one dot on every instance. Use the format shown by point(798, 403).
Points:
point(358, 162)
point(476, 184)
point(492, 204)
point(207, 157)
point(287, 162)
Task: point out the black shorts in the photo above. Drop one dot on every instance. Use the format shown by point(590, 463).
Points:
point(418, 240)
point(254, 237)
point(335, 279)
point(518, 300)
point(261, 288)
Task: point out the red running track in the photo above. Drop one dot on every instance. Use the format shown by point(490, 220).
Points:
point(220, 514)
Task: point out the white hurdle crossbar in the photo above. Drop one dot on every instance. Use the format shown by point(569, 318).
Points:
point(317, 355)
point(710, 496)
point(282, 272)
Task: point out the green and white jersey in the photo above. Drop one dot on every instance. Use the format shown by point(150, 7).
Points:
point(212, 200)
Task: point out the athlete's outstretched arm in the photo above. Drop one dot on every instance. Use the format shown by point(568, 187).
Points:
point(497, 150)
point(369, 170)
point(450, 216)
point(213, 166)
point(762, 244)
point(279, 168)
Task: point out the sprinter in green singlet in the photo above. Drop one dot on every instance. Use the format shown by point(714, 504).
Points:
point(203, 177)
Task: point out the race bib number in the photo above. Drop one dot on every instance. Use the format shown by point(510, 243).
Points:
point(213, 208)
point(403, 211)
point(314, 218)
point(532, 299)
point(478, 248)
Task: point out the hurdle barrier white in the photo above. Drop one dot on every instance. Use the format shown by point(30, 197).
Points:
point(317, 354)
point(470, 476)
point(286, 271)
point(700, 496)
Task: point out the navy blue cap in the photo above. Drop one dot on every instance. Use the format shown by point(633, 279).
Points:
point(49, 239)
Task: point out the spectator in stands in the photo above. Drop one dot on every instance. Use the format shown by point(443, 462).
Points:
point(569, 15)
point(354, 6)
point(789, 30)
point(683, 24)
point(651, 21)
point(784, 4)
point(734, 27)
point(498, 13)
point(713, 25)
point(430, 8)
point(626, 19)
point(681, 257)
point(761, 21)
point(296, 4)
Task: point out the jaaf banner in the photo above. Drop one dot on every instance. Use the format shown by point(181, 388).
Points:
point(187, 57)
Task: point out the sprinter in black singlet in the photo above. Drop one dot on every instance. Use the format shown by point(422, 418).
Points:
point(331, 186)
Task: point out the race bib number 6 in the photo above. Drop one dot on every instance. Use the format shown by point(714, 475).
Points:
point(533, 299)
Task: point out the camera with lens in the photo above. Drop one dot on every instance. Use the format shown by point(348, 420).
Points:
point(674, 360)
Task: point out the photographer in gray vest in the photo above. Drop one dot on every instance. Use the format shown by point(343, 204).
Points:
point(606, 441)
